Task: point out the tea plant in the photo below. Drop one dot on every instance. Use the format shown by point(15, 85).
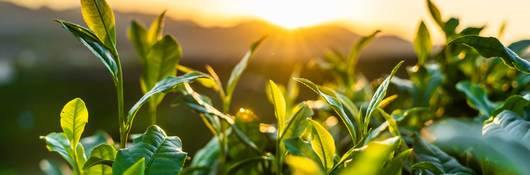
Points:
point(351, 128)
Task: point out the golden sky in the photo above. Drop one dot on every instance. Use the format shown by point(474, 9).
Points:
point(398, 17)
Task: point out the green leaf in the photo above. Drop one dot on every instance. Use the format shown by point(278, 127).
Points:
point(427, 166)
point(163, 154)
point(323, 144)
point(298, 122)
point(247, 163)
point(492, 47)
point(395, 166)
point(520, 46)
point(95, 45)
point(138, 168)
point(335, 104)
point(303, 166)
point(58, 142)
point(74, 117)
point(430, 153)
point(435, 14)
point(162, 86)
point(379, 95)
point(99, 17)
point(353, 56)
point(161, 61)
point(477, 97)
point(508, 125)
point(100, 137)
point(299, 147)
point(279, 104)
point(371, 159)
point(207, 157)
point(137, 35)
point(155, 31)
point(516, 103)
point(50, 167)
point(422, 43)
point(100, 160)
point(238, 70)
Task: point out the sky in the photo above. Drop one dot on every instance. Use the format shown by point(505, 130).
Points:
point(397, 17)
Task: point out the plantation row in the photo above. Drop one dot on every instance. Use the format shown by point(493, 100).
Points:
point(354, 127)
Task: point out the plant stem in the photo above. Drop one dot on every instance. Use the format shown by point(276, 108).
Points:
point(119, 96)
point(152, 112)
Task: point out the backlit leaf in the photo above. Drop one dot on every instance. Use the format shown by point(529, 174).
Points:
point(74, 117)
point(323, 144)
point(137, 35)
point(422, 43)
point(371, 159)
point(137, 168)
point(303, 166)
point(278, 101)
point(99, 17)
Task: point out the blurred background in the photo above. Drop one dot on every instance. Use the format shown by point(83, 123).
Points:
point(42, 66)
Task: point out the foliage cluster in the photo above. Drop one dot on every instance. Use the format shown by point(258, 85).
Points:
point(353, 127)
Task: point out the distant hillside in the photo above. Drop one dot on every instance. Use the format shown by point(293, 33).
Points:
point(31, 35)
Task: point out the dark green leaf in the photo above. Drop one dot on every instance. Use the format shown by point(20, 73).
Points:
point(100, 137)
point(137, 35)
point(520, 46)
point(430, 153)
point(95, 45)
point(508, 125)
point(492, 47)
point(427, 166)
point(137, 168)
point(162, 86)
point(435, 14)
point(516, 103)
point(207, 157)
point(379, 94)
point(99, 17)
point(50, 167)
point(477, 97)
point(57, 142)
point(163, 154)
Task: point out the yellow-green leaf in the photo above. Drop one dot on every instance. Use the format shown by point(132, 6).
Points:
point(323, 144)
point(303, 166)
point(74, 117)
point(422, 43)
point(155, 30)
point(137, 168)
point(278, 101)
point(372, 157)
point(99, 17)
point(161, 61)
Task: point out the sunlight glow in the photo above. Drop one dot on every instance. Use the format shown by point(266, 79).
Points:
point(293, 14)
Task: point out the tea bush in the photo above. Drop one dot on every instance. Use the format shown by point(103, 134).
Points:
point(472, 94)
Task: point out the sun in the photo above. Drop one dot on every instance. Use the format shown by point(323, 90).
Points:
point(292, 14)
